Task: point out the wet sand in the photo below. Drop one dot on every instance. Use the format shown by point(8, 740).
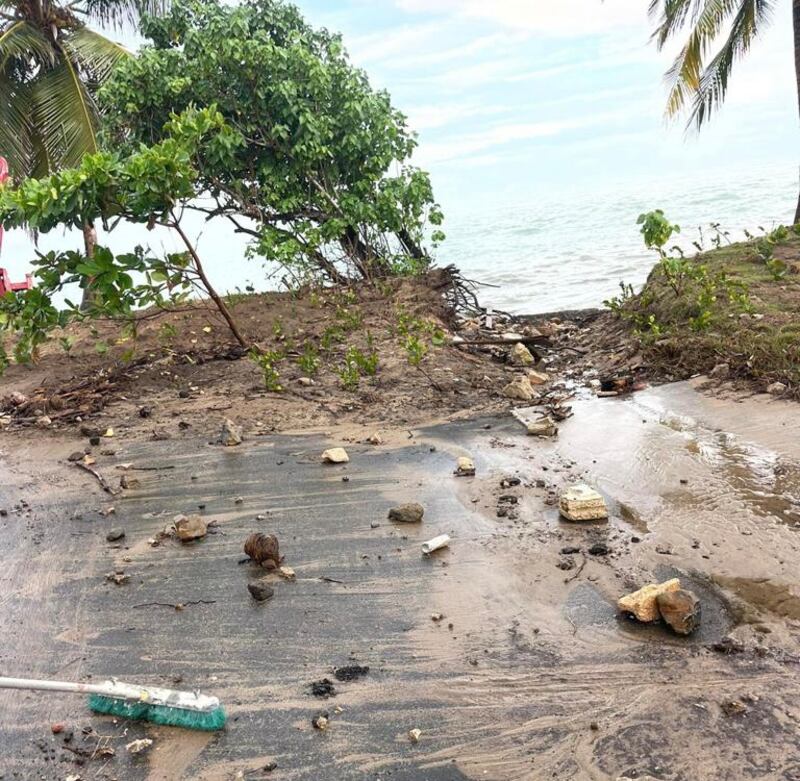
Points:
point(537, 678)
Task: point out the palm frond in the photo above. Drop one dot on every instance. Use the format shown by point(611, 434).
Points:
point(122, 13)
point(713, 84)
point(95, 54)
point(684, 75)
point(23, 41)
point(65, 114)
point(15, 126)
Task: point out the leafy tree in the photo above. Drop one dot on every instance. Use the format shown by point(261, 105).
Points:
point(322, 182)
point(51, 64)
point(148, 187)
point(696, 75)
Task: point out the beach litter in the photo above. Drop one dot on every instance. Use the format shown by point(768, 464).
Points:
point(437, 543)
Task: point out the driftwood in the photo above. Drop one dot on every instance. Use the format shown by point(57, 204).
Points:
point(100, 479)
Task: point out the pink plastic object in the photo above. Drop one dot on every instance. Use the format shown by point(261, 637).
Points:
point(6, 284)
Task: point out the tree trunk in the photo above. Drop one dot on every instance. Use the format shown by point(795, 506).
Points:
point(90, 242)
point(796, 23)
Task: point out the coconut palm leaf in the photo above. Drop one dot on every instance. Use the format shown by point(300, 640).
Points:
point(118, 13)
point(713, 85)
point(64, 113)
point(95, 54)
point(15, 127)
point(23, 41)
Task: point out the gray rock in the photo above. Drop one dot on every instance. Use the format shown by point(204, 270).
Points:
point(260, 590)
point(722, 371)
point(776, 389)
point(680, 610)
point(230, 435)
point(410, 512)
point(115, 534)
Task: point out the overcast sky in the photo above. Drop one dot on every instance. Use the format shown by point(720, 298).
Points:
point(514, 96)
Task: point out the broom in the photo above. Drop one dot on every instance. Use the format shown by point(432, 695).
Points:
point(131, 701)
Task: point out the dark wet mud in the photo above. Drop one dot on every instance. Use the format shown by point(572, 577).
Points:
point(529, 673)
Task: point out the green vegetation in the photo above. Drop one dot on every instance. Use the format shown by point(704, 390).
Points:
point(321, 178)
point(692, 76)
point(735, 304)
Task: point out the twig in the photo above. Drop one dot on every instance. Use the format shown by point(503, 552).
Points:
point(178, 605)
point(103, 482)
point(331, 580)
point(579, 570)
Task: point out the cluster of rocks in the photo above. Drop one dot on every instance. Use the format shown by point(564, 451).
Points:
point(677, 607)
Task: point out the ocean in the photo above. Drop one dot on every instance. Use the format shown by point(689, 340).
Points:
point(571, 251)
point(538, 253)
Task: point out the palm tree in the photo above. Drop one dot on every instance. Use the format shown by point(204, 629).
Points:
point(51, 64)
point(698, 76)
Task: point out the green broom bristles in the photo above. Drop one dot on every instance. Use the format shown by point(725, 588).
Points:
point(158, 714)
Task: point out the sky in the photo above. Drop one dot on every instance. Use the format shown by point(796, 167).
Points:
point(513, 97)
point(521, 104)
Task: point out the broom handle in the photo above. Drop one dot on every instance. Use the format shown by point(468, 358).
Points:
point(107, 687)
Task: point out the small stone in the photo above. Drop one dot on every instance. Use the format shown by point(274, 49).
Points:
point(582, 503)
point(189, 527)
point(520, 389)
point(230, 435)
point(643, 604)
point(109, 433)
point(776, 389)
point(375, 439)
point(570, 549)
point(145, 412)
point(537, 378)
point(128, 482)
point(287, 573)
point(680, 610)
point(543, 427)
point(520, 355)
point(414, 735)
point(138, 746)
point(335, 455)
point(58, 727)
point(17, 398)
point(115, 534)
point(306, 381)
point(43, 421)
point(238, 500)
point(320, 722)
point(733, 708)
point(599, 549)
point(76, 456)
point(94, 441)
point(119, 577)
point(411, 512)
point(437, 617)
point(722, 371)
point(260, 590)
point(465, 467)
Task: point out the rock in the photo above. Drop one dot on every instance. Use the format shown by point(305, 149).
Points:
point(680, 610)
point(375, 439)
point(43, 421)
point(287, 573)
point(520, 389)
point(537, 378)
point(323, 688)
point(722, 371)
point(733, 708)
point(643, 604)
point(520, 355)
point(127, 482)
point(119, 577)
point(599, 549)
point(138, 746)
point(465, 467)
point(543, 427)
point(335, 455)
point(260, 590)
point(189, 527)
point(230, 434)
point(263, 549)
point(411, 512)
point(58, 727)
point(17, 398)
point(76, 456)
point(582, 503)
point(94, 441)
point(320, 722)
point(306, 382)
point(115, 534)
point(776, 389)
point(350, 673)
point(109, 433)
point(414, 735)
point(145, 412)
